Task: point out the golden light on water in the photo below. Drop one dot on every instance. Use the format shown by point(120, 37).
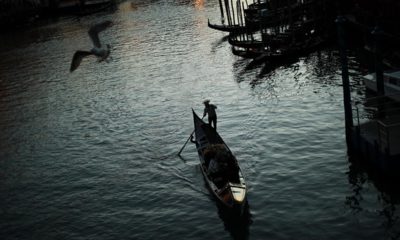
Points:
point(127, 6)
point(199, 4)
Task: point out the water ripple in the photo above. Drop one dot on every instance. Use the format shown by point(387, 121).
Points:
point(92, 154)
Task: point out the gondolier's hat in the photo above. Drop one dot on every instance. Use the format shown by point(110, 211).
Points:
point(206, 101)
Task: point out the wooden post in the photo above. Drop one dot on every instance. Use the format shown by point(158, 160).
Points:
point(340, 22)
point(228, 12)
point(233, 13)
point(241, 12)
point(380, 87)
point(377, 36)
point(222, 12)
point(238, 19)
point(243, 23)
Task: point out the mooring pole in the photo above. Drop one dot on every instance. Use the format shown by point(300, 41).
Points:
point(222, 12)
point(377, 36)
point(233, 13)
point(340, 22)
point(227, 10)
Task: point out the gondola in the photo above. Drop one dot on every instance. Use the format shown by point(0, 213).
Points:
point(247, 52)
point(228, 184)
point(228, 28)
point(246, 43)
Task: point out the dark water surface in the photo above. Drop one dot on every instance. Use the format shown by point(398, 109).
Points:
point(92, 154)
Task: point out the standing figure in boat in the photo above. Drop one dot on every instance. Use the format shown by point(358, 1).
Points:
point(209, 109)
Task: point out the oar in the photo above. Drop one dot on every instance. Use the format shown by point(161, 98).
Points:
point(179, 153)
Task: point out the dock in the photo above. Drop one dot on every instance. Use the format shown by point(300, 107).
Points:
point(377, 139)
point(373, 126)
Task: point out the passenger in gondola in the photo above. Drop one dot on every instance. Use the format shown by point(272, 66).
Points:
point(213, 161)
point(221, 164)
point(213, 167)
point(229, 170)
point(218, 168)
point(209, 110)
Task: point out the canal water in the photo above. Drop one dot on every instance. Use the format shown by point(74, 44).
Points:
point(92, 154)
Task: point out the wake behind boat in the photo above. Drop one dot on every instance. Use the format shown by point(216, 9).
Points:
point(227, 184)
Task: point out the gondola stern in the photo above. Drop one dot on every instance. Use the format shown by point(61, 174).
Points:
point(233, 195)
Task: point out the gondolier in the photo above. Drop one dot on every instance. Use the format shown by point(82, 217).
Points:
point(209, 110)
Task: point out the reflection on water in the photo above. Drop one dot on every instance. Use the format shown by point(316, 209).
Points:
point(362, 176)
point(128, 6)
point(270, 66)
point(199, 4)
point(235, 223)
point(92, 155)
point(215, 45)
point(317, 71)
point(389, 213)
point(356, 179)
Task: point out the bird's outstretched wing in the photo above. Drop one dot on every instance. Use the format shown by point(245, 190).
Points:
point(77, 59)
point(94, 32)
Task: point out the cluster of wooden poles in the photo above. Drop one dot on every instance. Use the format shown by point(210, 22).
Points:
point(229, 12)
point(274, 29)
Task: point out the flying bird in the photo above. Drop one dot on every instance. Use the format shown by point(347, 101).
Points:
point(98, 50)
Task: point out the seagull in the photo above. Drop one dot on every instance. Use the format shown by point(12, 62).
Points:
point(101, 52)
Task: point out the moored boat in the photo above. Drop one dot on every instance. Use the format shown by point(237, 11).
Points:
point(228, 184)
point(236, 29)
point(247, 52)
point(391, 82)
